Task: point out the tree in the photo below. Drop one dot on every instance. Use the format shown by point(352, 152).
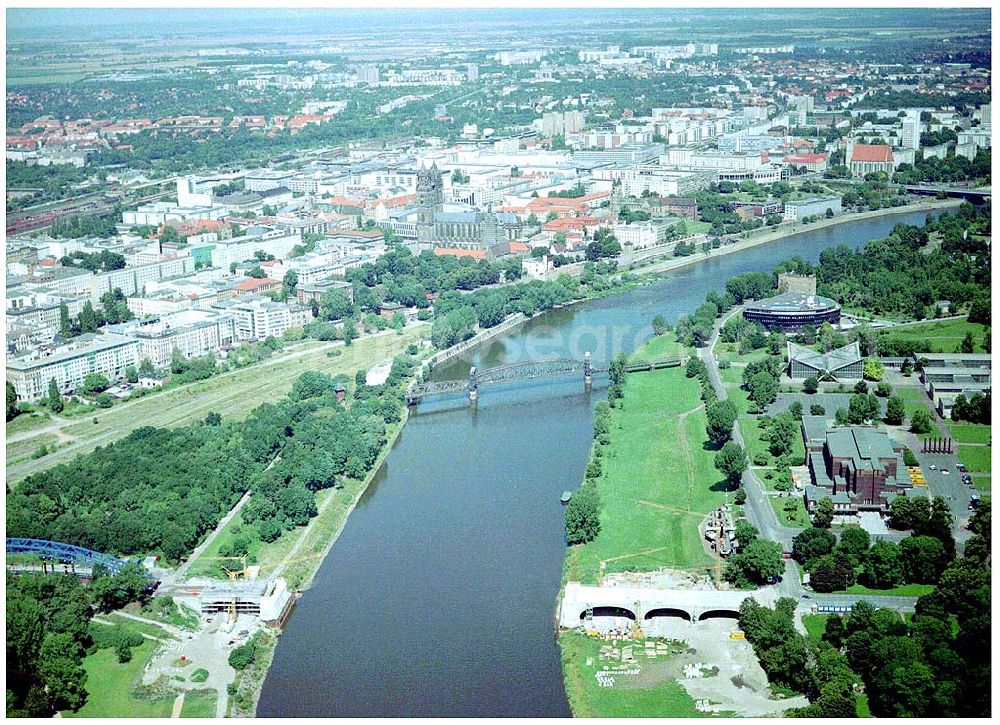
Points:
point(831, 573)
point(146, 368)
point(841, 417)
point(763, 389)
point(243, 656)
point(54, 397)
point(731, 461)
point(823, 515)
point(924, 558)
point(895, 411)
point(920, 421)
point(968, 343)
point(93, 383)
point(863, 409)
point(795, 409)
point(816, 409)
point(659, 325)
point(350, 332)
point(290, 283)
point(61, 672)
point(65, 325)
point(781, 434)
point(745, 533)
point(131, 374)
point(88, 318)
point(812, 543)
point(861, 388)
point(873, 369)
point(755, 564)
point(854, 544)
point(883, 566)
point(11, 402)
point(583, 515)
point(721, 415)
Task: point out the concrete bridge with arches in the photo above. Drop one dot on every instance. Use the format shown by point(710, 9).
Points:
point(581, 603)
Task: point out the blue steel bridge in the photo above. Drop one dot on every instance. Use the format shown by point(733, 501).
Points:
point(75, 559)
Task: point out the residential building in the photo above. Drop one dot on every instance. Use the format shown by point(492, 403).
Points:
point(70, 363)
point(192, 332)
point(797, 210)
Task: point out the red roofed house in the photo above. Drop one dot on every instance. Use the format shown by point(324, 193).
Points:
point(869, 159)
point(812, 162)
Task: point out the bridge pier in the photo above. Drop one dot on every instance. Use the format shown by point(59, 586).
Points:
point(588, 376)
point(473, 388)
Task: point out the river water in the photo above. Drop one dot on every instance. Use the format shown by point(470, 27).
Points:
point(438, 599)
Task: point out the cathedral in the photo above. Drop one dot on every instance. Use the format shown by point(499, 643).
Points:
point(474, 230)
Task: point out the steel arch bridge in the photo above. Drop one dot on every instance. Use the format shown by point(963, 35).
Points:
point(64, 553)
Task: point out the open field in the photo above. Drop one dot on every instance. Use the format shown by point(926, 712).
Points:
point(943, 336)
point(231, 394)
point(815, 625)
point(796, 516)
point(982, 483)
point(658, 483)
point(963, 433)
point(976, 458)
point(589, 699)
point(109, 686)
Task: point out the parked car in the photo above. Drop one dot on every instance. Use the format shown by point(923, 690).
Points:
point(945, 471)
point(932, 467)
point(960, 467)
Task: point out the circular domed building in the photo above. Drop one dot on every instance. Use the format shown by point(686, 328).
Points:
point(793, 311)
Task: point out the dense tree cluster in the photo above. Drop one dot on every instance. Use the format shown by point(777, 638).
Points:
point(161, 490)
point(950, 169)
point(48, 634)
point(897, 275)
point(936, 665)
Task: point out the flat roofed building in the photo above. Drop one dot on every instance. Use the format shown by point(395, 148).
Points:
point(306, 293)
point(793, 311)
point(953, 359)
point(69, 364)
point(192, 332)
point(844, 363)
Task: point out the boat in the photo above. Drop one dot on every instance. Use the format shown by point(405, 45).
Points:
point(566, 496)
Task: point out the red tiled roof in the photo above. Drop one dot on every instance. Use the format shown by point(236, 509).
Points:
point(473, 253)
point(249, 285)
point(879, 153)
point(805, 158)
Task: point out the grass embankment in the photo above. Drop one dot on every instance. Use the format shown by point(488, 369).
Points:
point(232, 394)
point(939, 335)
point(658, 483)
point(588, 699)
point(976, 458)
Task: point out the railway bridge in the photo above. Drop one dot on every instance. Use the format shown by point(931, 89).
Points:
point(524, 371)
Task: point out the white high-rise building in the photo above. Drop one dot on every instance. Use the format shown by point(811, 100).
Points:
point(912, 128)
point(471, 72)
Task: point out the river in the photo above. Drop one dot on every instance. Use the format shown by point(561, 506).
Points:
point(438, 599)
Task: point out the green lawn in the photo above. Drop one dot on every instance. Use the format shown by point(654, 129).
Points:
point(731, 375)
point(109, 686)
point(588, 699)
point(797, 517)
point(815, 625)
point(975, 458)
point(660, 347)
point(963, 433)
point(751, 436)
point(907, 590)
point(982, 483)
point(199, 703)
point(658, 482)
point(26, 422)
point(942, 336)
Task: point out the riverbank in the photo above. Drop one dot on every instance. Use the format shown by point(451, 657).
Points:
point(658, 268)
point(655, 488)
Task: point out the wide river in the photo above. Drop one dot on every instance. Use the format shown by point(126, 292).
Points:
point(438, 599)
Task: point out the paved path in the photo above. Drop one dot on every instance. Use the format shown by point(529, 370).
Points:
point(178, 704)
point(105, 622)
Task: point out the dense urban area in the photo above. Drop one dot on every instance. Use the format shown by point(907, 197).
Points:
point(245, 248)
